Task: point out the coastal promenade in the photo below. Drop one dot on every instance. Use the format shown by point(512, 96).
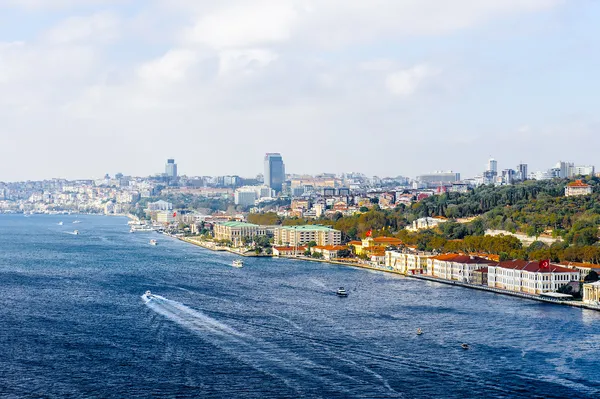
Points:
point(213, 247)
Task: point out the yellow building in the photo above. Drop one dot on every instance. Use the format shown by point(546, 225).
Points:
point(370, 244)
point(591, 293)
point(299, 235)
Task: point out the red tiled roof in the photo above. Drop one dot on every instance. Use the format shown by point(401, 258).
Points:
point(533, 267)
point(578, 183)
point(579, 264)
point(299, 248)
point(332, 247)
point(464, 259)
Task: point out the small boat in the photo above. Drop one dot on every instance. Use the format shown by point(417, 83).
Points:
point(342, 292)
point(153, 242)
point(76, 221)
point(464, 346)
point(60, 223)
point(238, 263)
point(76, 232)
point(148, 294)
point(419, 331)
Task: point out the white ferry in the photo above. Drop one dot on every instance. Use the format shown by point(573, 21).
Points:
point(141, 229)
point(238, 263)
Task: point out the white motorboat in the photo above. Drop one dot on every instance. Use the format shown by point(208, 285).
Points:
point(153, 242)
point(464, 346)
point(60, 223)
point(76, 232)
point(419, 331)
point(238, 263)
point(148, 294)
point(76, 221)
point(342, 292)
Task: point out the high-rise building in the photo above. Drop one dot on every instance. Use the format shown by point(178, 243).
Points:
point(274, 171)
point(522, 172)
point(492, 166)
point(565, 169)
point(171, 169)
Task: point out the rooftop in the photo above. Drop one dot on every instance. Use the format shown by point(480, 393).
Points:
point(308, 227)
point(237, 224)
point(578, 183)
point(466, 259)
point(533, 267)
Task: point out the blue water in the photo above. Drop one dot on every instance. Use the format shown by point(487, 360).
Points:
point(73, 324)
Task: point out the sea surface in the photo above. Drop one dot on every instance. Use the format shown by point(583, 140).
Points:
point(74, 324)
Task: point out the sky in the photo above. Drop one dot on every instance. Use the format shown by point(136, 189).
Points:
point(382, 87)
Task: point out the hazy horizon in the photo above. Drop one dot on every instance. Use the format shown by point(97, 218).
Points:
point(386, 88)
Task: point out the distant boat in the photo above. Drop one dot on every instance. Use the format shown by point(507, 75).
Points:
point(141, 229)
point(76, 232)
point(464, 346)
point(153, 242)
point(419, 331)
point(341, 292)
point(237, 263)
point(76, 221)
point(148, 294)
point(60, 223)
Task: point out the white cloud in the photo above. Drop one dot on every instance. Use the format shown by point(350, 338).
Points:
point(101, 27)
point(244, 61)
point(245, 24)
point(405, 82)
point(172, 67)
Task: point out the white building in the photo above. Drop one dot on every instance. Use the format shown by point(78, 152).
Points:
point(529, 277)
point(298, 235)
point(407, 263)
point(244, 197)
point(426, 223)
point(577, 188)
point(584, 170)
point(160, 206)
point(456, 267)
point(591, 293)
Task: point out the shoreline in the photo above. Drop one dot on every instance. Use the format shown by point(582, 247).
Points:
point(575, 304)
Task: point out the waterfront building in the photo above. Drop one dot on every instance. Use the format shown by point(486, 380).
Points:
point(576, 188)
point(329, 251)
point(584, 268)
point(274, 171)
point(530, 277)
point(407, 263)
point(289, 251)
point(480, 276)
point(171, 169)
point(456, 267)
point(299, 235)
point(591, 293)
point(165, 217)
point(237, 231)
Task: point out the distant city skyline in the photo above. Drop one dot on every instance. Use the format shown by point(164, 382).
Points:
point(88, 88)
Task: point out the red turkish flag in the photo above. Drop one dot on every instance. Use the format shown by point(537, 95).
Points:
point(545, 264)
point(174, 214)
point(369, 233)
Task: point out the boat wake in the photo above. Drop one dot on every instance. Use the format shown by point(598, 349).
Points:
point(267, 357)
